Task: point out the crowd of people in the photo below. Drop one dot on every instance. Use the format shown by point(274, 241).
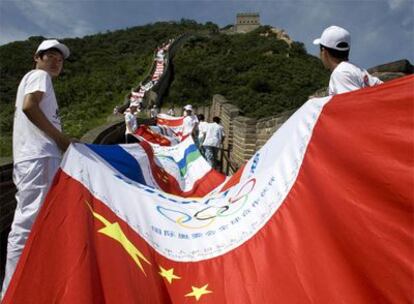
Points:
point(38, 140)
point(209, 137)
point(137, 95)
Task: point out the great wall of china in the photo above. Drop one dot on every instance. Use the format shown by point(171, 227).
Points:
point(244, 135)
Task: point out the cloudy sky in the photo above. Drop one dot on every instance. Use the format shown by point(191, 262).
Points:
point(381, 30)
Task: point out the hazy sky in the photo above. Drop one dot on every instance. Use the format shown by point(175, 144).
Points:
point(381, 30)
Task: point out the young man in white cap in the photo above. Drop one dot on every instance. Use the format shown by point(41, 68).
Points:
point(154, 111)
point(38, 143)
point(171, 111)
point(131, 124)
point(190, 122)
point(335, 44)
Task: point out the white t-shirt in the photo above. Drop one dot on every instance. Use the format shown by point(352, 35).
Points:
point(202, 129)
point(214, 135)
point(153, 113)
point(160, 54)
point(130, 123)
point(188, 125)
point(347, 77)
point(189, 122)
point(195, 119)
point(29, 142)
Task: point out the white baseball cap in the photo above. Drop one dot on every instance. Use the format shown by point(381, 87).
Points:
point(53, 43)
point(188, 107)
point(335, 37)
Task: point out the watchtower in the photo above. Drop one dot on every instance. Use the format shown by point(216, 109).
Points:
point(246, 22)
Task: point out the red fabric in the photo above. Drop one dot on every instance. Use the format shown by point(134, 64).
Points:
point(156, 138)
point(67, 261)
point(344, 233)
point(176, 122)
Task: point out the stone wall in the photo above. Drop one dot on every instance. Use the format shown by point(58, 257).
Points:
point(244, 135)
point(246, 22)
point(392, 70)
point(244, 139)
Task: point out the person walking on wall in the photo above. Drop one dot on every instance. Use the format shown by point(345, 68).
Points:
point(214, 138)
point(202, 128)
point(38, 143)
point(154, 111)
point(171, 111)
point(190, 122)
point(131, 124)
point(335, 45)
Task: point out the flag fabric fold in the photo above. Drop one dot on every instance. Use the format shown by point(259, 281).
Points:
point(173, 126)
point(178, 170)
point(322, 213)
point(154, 134)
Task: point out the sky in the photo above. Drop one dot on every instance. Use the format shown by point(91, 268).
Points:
point(382, 31)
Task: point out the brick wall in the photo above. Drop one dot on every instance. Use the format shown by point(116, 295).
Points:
point(244, 139)
point(243, 134)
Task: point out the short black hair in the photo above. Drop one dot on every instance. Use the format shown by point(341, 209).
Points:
point(342, 55)
point(42, 53)
point(216, 119)
point(200, 117)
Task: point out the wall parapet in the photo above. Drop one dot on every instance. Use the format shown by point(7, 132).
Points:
point(244, 135)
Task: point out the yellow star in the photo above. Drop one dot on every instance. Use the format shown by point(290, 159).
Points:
point(198, 292)
point(114, 231)
point(168, 274)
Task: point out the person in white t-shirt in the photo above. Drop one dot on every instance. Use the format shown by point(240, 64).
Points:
point(38, 142)
point(131, 123)
point(154, 111)
point(171, 111)
point(160, 54)
point(190, 122)
point(202, 129)
point(335, 44)
point(214, 138)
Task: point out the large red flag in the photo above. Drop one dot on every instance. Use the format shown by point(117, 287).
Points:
point(323, 213)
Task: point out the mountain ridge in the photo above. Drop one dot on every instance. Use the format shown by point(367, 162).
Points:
point(104, 67)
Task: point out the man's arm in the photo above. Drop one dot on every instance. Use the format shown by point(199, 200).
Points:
point(373, 81)
point(33, 112)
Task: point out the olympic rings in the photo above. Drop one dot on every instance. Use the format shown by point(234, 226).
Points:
point(221, 210)
point(208, 214)
point(252, 182)
point(179, 222)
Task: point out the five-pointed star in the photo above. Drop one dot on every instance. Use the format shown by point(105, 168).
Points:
point(168, 274)
point(198, 292)
point(114, 231)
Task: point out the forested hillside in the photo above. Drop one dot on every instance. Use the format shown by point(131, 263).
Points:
point(255, 71)
point(101, 70)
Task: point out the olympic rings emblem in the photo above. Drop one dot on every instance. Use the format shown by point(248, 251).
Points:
point(206, 216)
